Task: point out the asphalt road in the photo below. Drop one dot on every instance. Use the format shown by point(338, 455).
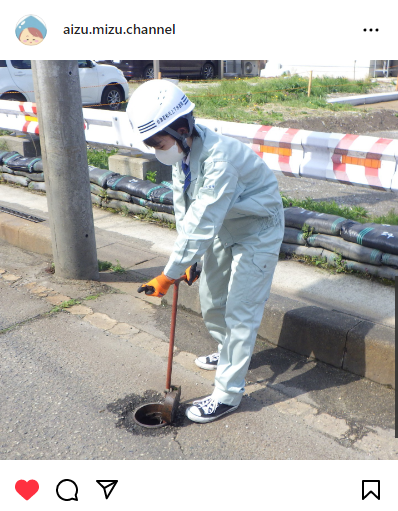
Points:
point(69, 382)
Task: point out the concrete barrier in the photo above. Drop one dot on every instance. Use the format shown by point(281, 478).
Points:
point(139, 165)
point(348, 159)
point(24, 145)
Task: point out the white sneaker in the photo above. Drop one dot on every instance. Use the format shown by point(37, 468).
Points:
point(210, 362)
point(208, 410)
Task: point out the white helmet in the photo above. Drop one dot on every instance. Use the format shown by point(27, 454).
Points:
point(155, 105)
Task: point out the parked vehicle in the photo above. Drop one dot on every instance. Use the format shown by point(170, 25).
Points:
point(100, 84)
point(138, 69)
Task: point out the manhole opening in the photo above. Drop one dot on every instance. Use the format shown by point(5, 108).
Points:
point(125, 408)
point(150, 415)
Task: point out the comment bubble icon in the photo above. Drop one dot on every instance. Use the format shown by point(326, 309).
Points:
point(67, 490)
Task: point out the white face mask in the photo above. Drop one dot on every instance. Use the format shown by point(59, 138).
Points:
point(169, 156)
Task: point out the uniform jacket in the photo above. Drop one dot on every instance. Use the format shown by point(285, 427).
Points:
point(231, 189)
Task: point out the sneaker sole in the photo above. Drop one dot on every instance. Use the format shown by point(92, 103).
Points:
point(203, 420)
point(208, 367)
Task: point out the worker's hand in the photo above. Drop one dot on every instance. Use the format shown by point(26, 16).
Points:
point(157, 286)
point(191, 274)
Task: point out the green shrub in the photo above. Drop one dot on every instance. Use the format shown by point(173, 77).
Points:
point(99, 157)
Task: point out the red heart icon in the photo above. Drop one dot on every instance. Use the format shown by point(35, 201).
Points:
point(27, 488)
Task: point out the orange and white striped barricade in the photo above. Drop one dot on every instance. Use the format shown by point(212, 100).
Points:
point(349, 159)
point(280, 148)
point(394, 181)
point(18, 116)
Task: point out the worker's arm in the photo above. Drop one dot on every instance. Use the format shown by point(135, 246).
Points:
point(178, 197)
point(204, 217)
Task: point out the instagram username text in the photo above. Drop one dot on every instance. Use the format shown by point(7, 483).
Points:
point(107, 30)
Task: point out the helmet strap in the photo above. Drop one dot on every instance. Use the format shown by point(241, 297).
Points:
point(182, 138)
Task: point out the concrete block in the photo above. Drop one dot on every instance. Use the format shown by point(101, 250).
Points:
point(100, 320)
point(79, 310)
point(36, 238)
point(26, 146)
point(137, 166)
point(58, 299)
point(38, 290)
point(371, 352)
point(308, 330)
point(11, 277)
point(25, 234)
point(9, 228)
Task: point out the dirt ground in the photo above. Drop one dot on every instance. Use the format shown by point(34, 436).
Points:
point(360, 121)
point(365, 119)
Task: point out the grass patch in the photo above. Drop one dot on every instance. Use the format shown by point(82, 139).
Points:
point(148, 216)
point(117, 268)
point(106, 265)
point(99, 157)
point(241, 100)
point(151, 176)
point(70, 303)
point(357, 213)
point(307, 231)
point(337, 267)
point(92, 297)
point(390, 218)
point(65, 305)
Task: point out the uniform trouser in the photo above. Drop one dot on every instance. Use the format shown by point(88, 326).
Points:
point(234, 287)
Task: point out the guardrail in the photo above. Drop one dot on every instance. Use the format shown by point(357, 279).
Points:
point(345, 158)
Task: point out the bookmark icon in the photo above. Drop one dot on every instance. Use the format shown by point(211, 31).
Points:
point(370, 487)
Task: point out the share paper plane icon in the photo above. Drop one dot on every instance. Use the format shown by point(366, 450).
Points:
point(107, 486)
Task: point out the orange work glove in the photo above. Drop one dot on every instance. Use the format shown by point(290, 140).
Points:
point(191, 274)
point(157, 286)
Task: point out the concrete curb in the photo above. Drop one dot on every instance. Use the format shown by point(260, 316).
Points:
point(24, 234)
point(342, 340)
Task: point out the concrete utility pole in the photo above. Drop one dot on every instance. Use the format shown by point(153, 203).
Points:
point(64, 154)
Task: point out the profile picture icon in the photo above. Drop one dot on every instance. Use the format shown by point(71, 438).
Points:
point(31, 30)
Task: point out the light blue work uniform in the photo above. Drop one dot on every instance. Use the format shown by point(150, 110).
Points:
point(232, 214)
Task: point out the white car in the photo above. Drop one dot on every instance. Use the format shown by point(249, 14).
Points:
point(100, 84)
